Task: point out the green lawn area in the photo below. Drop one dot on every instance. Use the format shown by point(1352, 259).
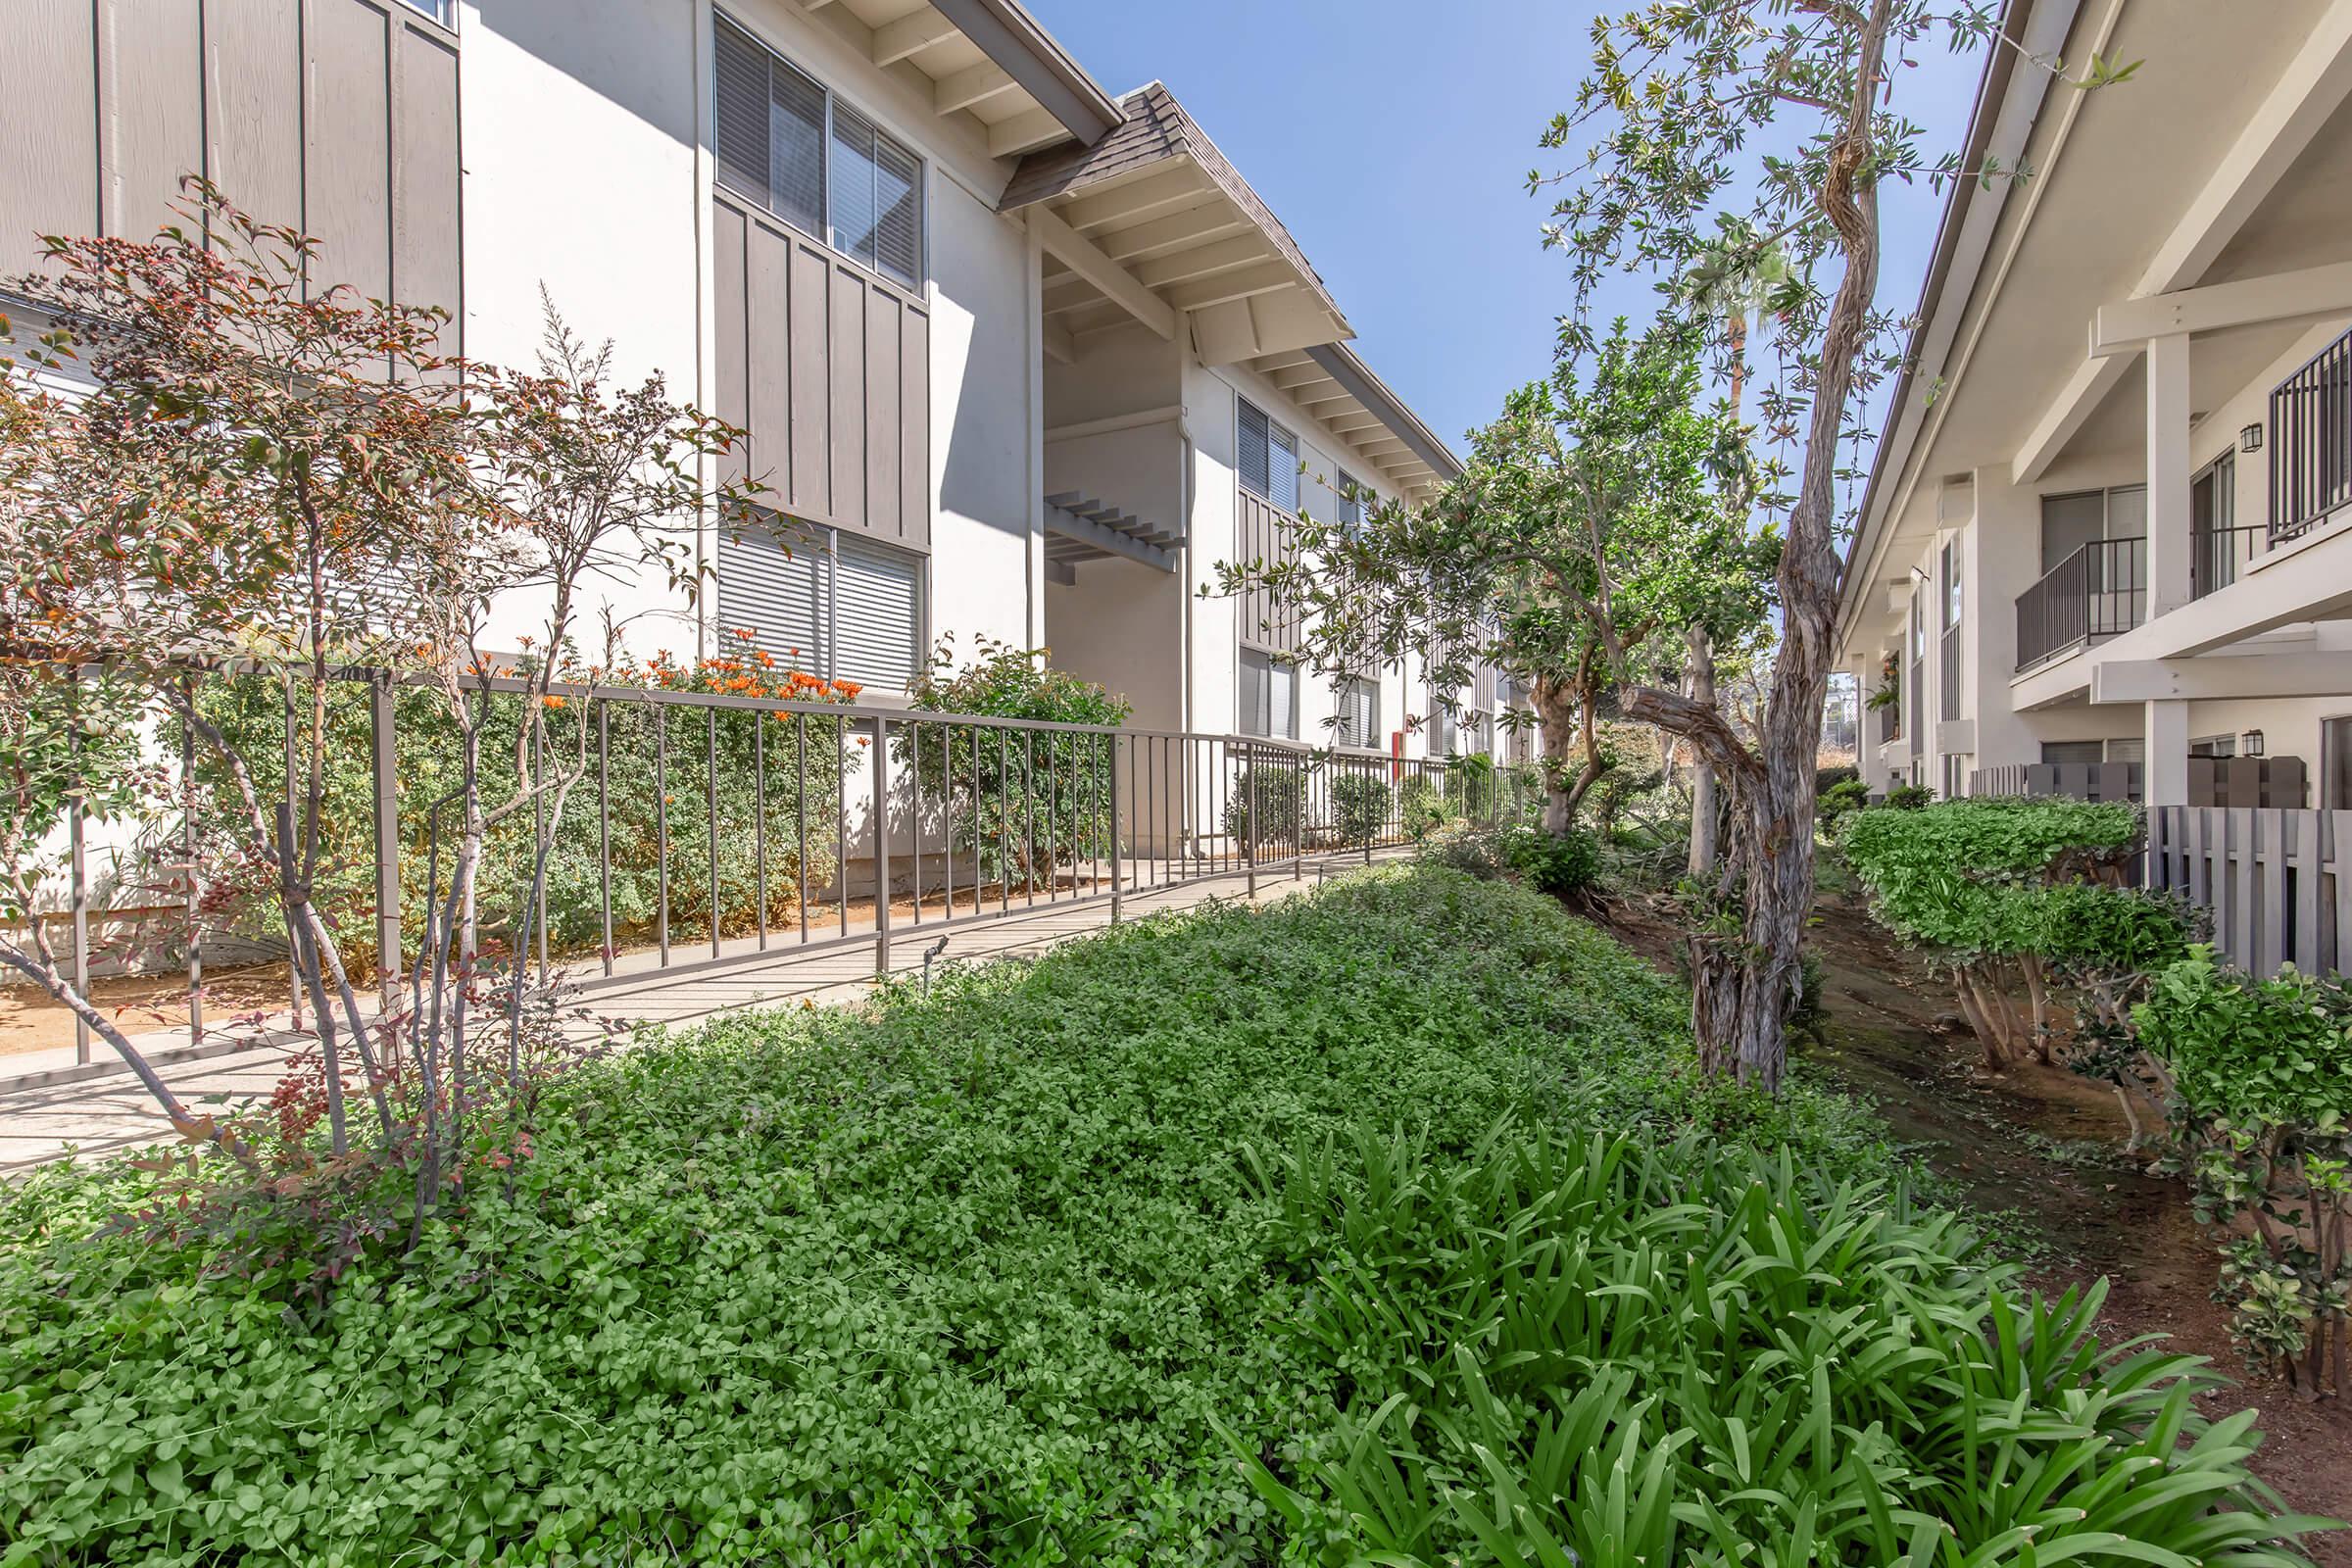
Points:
point(1389, 1219)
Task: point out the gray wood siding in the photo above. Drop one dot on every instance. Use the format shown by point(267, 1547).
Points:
point(336, 117)
point(828, 366)
point(1262, 532)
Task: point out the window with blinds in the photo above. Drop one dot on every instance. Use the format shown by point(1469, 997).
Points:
point(1351, 504)
point(788, 144)
point(829, 603)
point(1360, 713)
point(1269, 696)
point(1441, 742)
point(1268, 459)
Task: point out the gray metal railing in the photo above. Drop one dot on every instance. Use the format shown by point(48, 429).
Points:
point(2311, 441)
point(2218, 554)
point(2081, 781)
point(719, 829)
point(2098, 591)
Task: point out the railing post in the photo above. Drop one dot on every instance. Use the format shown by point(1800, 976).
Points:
point(76, 814)
point(1118, 877)
point(881, 847)
point(383, 758)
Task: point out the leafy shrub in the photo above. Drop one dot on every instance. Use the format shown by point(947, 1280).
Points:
point(1909, 797)
point(2003, 888)
point(1359, 806)
point(1023, 804)
point(1559, 864)
point(2257, 1077)
point(1840, 800)
point(1825, 779)
point(1267, 802)
point(428, 766)
point(1422, 807)
point(968, 1277)
point(1472, 850)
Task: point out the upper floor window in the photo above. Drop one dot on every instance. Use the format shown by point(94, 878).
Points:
point(1269, 459)
point(441, 11)
point(1351, 504)
point(788, 144)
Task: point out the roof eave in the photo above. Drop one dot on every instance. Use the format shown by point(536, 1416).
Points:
point(1026, 52)
point(1342, 364)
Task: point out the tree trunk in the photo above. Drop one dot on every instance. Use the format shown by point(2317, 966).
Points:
point(1702, 771)
point(1750, 979)
point(1557, 712)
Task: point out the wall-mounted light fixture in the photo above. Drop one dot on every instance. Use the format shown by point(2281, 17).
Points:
point(2249, 439)
point(2249, 744)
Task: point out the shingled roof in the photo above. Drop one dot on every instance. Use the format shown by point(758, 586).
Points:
point(1156, 129)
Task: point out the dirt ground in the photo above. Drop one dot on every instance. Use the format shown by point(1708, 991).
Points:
point(2043, 1149)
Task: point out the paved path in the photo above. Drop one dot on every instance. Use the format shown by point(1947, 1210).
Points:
point(89, 1112)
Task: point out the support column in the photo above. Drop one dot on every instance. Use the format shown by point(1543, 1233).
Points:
point(2164, 769)
point(2168, 474)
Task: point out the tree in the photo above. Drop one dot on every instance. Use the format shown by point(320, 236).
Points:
point(273, 483)
point(252, 461)
point(1586, 531)
point(1730, 141)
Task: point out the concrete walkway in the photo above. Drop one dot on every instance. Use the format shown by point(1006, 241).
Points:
point(86, 1112)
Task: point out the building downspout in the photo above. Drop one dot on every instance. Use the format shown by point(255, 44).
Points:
point(1183, 586)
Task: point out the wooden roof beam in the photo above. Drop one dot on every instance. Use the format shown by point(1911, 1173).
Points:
point(1078, 253)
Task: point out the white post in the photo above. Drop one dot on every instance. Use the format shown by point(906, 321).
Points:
point(2164, 766)
point(2167, 544)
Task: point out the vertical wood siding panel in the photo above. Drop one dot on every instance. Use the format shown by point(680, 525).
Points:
point(153, 74)
point(253, 98)
point(767, 366)
point(347, 156)
point(425, 198)
point(845, 313)
point(914, 431)
point(809, 345)
point(48, 128)
point(883, 315)
point(731, 336)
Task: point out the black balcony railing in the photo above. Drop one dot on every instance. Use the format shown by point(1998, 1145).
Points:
point(2311, 441)
point(2218, 554)
point(2099, 591)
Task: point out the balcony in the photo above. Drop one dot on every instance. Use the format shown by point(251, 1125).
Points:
point(2311, 442)
point(2099, 591)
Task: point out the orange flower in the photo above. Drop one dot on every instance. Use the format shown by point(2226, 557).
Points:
point(551, 701)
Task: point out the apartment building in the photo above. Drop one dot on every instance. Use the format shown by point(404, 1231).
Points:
point(2107, 545)
point(1018, 359)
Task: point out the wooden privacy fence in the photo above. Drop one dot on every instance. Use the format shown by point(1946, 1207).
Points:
point(2084, 781)
point(2273, 879)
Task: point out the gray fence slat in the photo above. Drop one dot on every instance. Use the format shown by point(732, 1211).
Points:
point(2338, 947)
point(2241, 900)
point(2268, 843)
point(2200, 888)
point(2305, 827)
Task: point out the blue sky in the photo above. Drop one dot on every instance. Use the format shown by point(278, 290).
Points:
point(1394, 141)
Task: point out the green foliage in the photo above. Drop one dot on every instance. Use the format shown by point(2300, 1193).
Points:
point(1267, 802)
point(1561, 1352)
point(1422, 806)
point(1842, 799)
point(1978, 877)
point(1909, 797)
point(2258, 1076)
point(1024, 805)
point(1562, 864)
point(963, 1277)
point(1826, 778)
point(1359, 806)
point(644, 796)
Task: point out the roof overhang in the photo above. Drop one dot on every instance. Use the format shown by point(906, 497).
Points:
point(985, 61)
point(1154, 224)
point(2009, 101)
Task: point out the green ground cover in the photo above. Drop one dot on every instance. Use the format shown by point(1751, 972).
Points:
point(1389, 1220)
